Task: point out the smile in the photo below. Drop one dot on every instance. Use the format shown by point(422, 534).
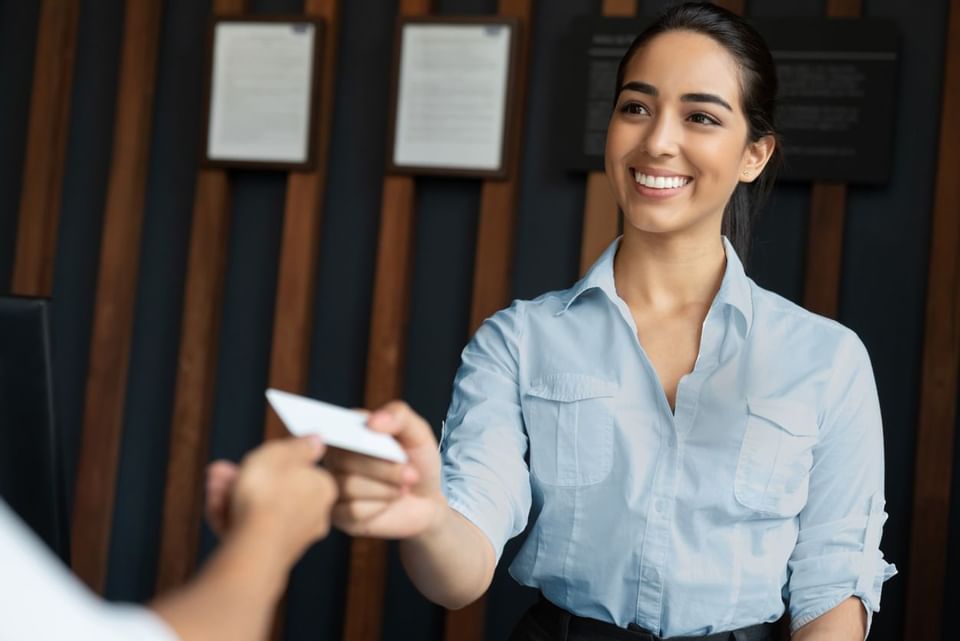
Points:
point(660, 182)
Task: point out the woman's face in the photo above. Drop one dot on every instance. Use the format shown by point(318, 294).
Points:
point(677, 142)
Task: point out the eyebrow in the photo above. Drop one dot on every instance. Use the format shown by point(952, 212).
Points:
point(650, 90)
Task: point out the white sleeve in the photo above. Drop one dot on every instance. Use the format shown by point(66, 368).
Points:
point(40, 600)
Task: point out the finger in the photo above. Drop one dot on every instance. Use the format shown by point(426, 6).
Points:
point(306, 449)
point(221, 477)
point(354, 513)
point(408, 427)
point(346, 462)
point(360, 488)
point(329, 490)
point(221, 471)
point(216, 509)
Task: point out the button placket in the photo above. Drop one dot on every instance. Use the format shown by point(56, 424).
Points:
point(656, 546)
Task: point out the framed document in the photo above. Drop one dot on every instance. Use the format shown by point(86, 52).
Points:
point(263, 80)
point(453, 88)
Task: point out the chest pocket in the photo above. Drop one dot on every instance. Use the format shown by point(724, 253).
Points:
point(773, 470)
point(570, 425)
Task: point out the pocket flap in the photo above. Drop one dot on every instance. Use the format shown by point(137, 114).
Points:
point(568, 388)
point(791, 416)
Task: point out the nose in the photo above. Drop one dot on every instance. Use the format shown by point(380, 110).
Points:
point(662, 136)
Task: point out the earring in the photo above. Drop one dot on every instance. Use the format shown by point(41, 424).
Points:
point(746, 172)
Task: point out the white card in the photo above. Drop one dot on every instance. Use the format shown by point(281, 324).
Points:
point(338, 427)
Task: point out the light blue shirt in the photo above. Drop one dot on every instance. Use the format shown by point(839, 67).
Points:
point(765, 486)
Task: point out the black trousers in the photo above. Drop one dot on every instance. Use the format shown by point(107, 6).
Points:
point(547, 622)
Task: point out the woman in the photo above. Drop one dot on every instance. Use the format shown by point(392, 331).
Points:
point(689, 450)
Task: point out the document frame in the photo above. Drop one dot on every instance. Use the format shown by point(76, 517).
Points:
point(298, 152)
point(496, 167)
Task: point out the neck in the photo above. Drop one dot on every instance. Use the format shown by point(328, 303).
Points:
point(667, 273)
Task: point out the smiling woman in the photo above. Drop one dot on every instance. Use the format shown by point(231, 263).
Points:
point(720, 82)
point(687, 449)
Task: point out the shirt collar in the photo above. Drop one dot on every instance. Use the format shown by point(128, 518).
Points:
point(734, 288)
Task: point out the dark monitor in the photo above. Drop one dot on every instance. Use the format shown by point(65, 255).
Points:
point(31, 480)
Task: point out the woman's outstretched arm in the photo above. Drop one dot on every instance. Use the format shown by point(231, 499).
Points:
point(447, 557)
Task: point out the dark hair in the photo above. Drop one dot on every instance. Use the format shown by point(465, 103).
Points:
point(758, 93)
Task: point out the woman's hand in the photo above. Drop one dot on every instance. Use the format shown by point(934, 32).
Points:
point(389, 500)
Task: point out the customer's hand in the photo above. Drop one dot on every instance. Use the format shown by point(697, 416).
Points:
point(278, 490)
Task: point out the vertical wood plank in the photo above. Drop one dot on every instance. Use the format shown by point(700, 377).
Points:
point(116, 285)
point(600, 217)
point(196, 371)
point(493, 267)
point(296, 274)
point(296, 279)
point(391, 297)
point(824, 261)
point(363, 618)
point(196, 368)
point(44, 160)
point(939, 374)
point(496, 226)
point(825, 227)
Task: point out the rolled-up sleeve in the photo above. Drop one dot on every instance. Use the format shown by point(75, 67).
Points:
point(837, 554)
point(483, 446)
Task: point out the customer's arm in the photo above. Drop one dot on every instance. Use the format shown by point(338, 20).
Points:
point(270, 510)
point(272, 507)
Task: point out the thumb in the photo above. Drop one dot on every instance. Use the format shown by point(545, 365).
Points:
point(399, 420)
point(306, 449)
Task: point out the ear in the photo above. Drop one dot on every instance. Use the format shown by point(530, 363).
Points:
point(755, 158)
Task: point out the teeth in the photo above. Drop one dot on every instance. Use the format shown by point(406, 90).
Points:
point(660, 182)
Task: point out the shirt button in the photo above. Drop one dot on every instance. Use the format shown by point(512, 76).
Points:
point(660, 505)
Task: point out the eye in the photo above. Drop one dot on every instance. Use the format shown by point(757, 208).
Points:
point(634, 108)
point(704, 119)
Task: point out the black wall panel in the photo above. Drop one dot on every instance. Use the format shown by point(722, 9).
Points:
point(89, 147)
point(18, 39)
point(174, 149)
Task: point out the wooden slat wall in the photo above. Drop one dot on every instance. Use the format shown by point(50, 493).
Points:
point(600, 209)
point(296, 280)
point(116, 287)
point(391, 293)
point(46, 148)
point(363, 618)
point(493, 266)
point(940, 370)
point(196, 368)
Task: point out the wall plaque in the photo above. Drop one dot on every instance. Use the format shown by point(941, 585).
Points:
point(262, 91)
point(452, 93)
